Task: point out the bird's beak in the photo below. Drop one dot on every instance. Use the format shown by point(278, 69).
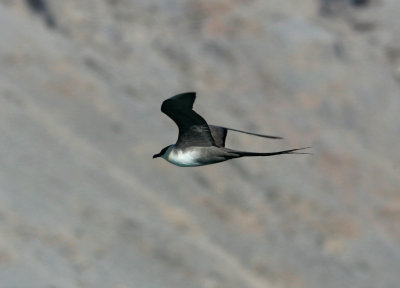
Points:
point(156, 155)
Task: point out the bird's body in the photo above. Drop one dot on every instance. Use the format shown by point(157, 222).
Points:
point(197, 156)
point(183, 157)
point(198, 143)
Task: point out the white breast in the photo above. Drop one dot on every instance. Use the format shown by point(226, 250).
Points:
point(182, 158)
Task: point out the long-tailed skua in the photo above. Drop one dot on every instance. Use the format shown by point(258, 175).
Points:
point(201, 144)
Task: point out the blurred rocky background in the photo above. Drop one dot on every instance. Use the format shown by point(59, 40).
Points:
point(82, 203)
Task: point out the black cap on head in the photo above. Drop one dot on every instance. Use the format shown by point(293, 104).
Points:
point(162, 152)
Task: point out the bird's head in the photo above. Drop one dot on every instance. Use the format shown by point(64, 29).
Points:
point(162, 152)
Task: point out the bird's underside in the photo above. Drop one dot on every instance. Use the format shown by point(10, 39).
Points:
point(199, 143)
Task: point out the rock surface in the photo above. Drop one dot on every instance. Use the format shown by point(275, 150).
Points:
point(82, 204)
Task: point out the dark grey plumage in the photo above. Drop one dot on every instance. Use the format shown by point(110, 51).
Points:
point(199, 143)
point(193, 129)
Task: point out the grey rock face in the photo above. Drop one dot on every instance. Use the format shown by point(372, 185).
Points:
point(82, 204)
point(40, 7)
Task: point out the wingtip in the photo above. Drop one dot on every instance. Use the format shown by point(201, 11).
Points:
point(185, 93)
point(179, 101)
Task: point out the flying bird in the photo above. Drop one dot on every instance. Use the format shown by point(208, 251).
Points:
point(201, 144)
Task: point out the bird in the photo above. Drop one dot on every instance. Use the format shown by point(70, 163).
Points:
point(201, 144)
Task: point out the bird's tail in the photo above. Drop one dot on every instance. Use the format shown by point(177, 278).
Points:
point(291, 151)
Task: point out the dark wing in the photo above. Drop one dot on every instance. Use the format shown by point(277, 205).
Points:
point(219, 134)
point(193, 129)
